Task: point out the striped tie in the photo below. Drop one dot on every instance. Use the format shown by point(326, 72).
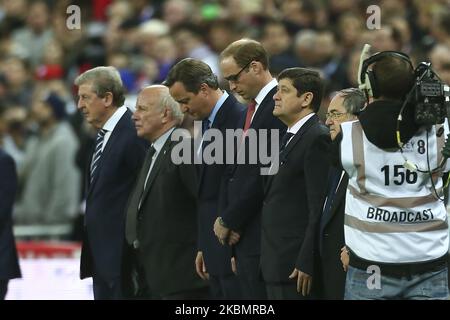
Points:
point(97, 152)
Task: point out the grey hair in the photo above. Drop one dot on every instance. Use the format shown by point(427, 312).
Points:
point(354, 100)
point(103, 80)
point(166, 100)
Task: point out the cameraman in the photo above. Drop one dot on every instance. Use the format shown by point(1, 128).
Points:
point(395, 225)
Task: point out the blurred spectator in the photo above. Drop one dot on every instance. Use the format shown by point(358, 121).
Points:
point(191, 44)
point(18, 81)
point(165, 55)
point(13, 15)
point(277, 41)
point(440, 61)
point(37, 34)
point(176, 12)
point(441, 26)
point(304, 47)
point(386, 39)
point(148, 35)
point(349, 26)
point(221, 33)
point(51, 180)
point(15, 134)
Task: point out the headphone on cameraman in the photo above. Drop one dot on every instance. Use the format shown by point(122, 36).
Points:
point(367, 78)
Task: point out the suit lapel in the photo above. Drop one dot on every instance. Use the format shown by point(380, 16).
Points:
point(295, 139)
point(338, 197)
point(160, 159)
point(264, 104)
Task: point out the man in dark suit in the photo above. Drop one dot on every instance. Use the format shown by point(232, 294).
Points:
point(193, 85)
point(345, 106)
point(293, 197)
point(161, 222)
point(114, 165)
point(9, 264)
point(245, 65)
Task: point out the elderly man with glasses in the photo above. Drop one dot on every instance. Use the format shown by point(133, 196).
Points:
point(345, 106)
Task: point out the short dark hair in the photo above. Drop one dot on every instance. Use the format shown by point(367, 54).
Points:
point(394, 77)
point(245, 50)
point(305, 80)
point(192, 73)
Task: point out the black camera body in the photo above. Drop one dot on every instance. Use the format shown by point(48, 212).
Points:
point(432, 97)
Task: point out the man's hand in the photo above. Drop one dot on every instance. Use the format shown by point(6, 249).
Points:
point(345, 258)
point(233, 265)
point(233, 238)
point(221, 231)
point(200, 266)
point(304, 281)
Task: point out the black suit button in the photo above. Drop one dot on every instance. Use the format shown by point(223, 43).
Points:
point(231, 179)
point(326, 234)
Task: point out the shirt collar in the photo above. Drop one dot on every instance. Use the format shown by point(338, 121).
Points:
point(159, 143)
point(294, 129)
point(114, 119)
point(265, 91)
point(217, 107)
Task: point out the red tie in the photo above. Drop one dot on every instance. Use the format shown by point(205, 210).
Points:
point(250, 111)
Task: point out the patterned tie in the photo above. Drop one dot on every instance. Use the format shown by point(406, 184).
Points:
point(97, 152)
point(287, 136)
point(248, 118)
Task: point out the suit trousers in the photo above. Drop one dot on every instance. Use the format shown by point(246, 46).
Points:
point(225, 287)
point(284, 291)
point(250, 278)
point(196, 294)
point(3, 289)
point(107, 290)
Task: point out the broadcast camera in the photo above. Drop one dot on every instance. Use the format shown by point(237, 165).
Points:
point(432, 97)
point(429, 96)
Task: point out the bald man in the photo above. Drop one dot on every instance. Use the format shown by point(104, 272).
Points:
point(161, 224)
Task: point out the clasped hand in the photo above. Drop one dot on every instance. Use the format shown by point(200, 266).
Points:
point(224, 234)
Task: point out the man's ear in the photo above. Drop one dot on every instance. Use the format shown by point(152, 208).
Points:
point(108, 99)
point(308, 98)
point(204, 89)
point(166, 115)
point(256, 67)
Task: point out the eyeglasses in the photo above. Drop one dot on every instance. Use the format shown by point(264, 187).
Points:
point(334, 115)
point(235, 77)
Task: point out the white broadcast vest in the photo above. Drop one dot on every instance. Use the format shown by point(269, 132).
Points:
point(392, 214)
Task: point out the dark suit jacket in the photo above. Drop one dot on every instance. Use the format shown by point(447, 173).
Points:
point(9, 264)
point(293, 204)
point(331, 233)
point(243, 194)
point(167, 225)
point(106, 201)
point(217, 257)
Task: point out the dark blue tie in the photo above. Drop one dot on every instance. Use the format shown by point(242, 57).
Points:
point(284, 141)
point(97, 152)
point(205, 125)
